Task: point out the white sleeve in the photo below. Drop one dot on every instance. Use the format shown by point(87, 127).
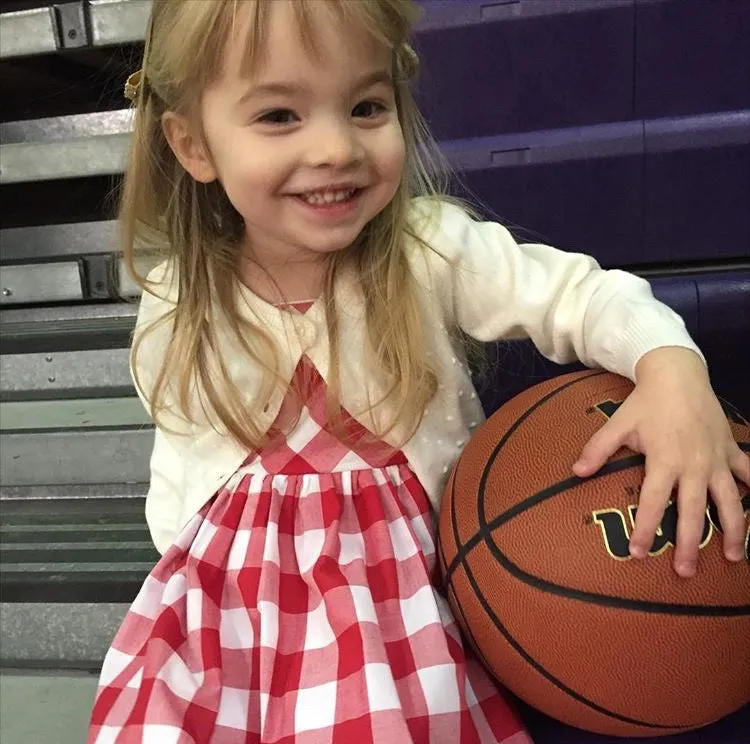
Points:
point(165, 492)
point(166, 486)
point(570, 308)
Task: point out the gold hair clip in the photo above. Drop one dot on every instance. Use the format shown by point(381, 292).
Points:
point(408, 61)
point(411, 55)
point(133, 85)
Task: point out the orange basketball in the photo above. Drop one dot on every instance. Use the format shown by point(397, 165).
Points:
point(536, 568)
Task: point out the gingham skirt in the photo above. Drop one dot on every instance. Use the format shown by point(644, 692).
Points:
point(298, 606)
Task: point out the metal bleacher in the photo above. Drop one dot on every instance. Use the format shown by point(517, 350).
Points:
point(75, 439)
point(580, 120)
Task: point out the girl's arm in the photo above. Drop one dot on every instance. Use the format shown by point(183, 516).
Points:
point(570, 308)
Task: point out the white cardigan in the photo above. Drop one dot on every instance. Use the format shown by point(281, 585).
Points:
point(478, 279)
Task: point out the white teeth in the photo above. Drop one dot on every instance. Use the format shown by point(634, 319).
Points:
point(327, 197)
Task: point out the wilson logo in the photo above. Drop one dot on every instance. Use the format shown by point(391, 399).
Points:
point(616, 528)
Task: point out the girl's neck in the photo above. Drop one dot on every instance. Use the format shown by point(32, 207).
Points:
point(287, 283)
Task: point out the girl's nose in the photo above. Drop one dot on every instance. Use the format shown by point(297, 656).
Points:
point(335, 145)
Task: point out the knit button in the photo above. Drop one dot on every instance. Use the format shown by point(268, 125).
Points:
point(460, 393)
point(460, 442)
point(449, 418)
point(445, 469)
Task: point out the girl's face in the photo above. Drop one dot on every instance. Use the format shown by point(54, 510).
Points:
point(310, 148)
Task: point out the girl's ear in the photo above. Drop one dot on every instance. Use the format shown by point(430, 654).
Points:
point(188, 147)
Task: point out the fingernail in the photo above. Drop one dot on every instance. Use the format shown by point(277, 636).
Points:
point(637, 551)
point(686, 569)
point(735, 554)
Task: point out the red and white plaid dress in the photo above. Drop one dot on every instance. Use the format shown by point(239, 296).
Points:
point(298, 607)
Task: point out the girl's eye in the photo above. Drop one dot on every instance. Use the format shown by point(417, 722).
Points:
point(278, 116)
point(368, 109)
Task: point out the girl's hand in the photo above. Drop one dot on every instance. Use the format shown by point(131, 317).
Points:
point(675, 420)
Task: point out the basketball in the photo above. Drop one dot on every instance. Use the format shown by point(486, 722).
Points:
point(536, 568)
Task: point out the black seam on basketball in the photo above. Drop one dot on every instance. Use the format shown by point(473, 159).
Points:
point(460, 549)
point(548, 675)
point(624, 463)
point(450, 589)
point(462, 622)
point(606, 600)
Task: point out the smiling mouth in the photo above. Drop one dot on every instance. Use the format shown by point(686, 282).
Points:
point(328, 196)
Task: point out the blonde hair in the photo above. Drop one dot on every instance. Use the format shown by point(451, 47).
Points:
point(200, 231)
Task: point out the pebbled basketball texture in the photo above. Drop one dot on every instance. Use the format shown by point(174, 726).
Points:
point(537, 572)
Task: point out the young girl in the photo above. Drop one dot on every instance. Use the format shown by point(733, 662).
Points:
point(301, 350)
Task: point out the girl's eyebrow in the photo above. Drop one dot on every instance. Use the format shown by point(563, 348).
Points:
point(290, 89)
